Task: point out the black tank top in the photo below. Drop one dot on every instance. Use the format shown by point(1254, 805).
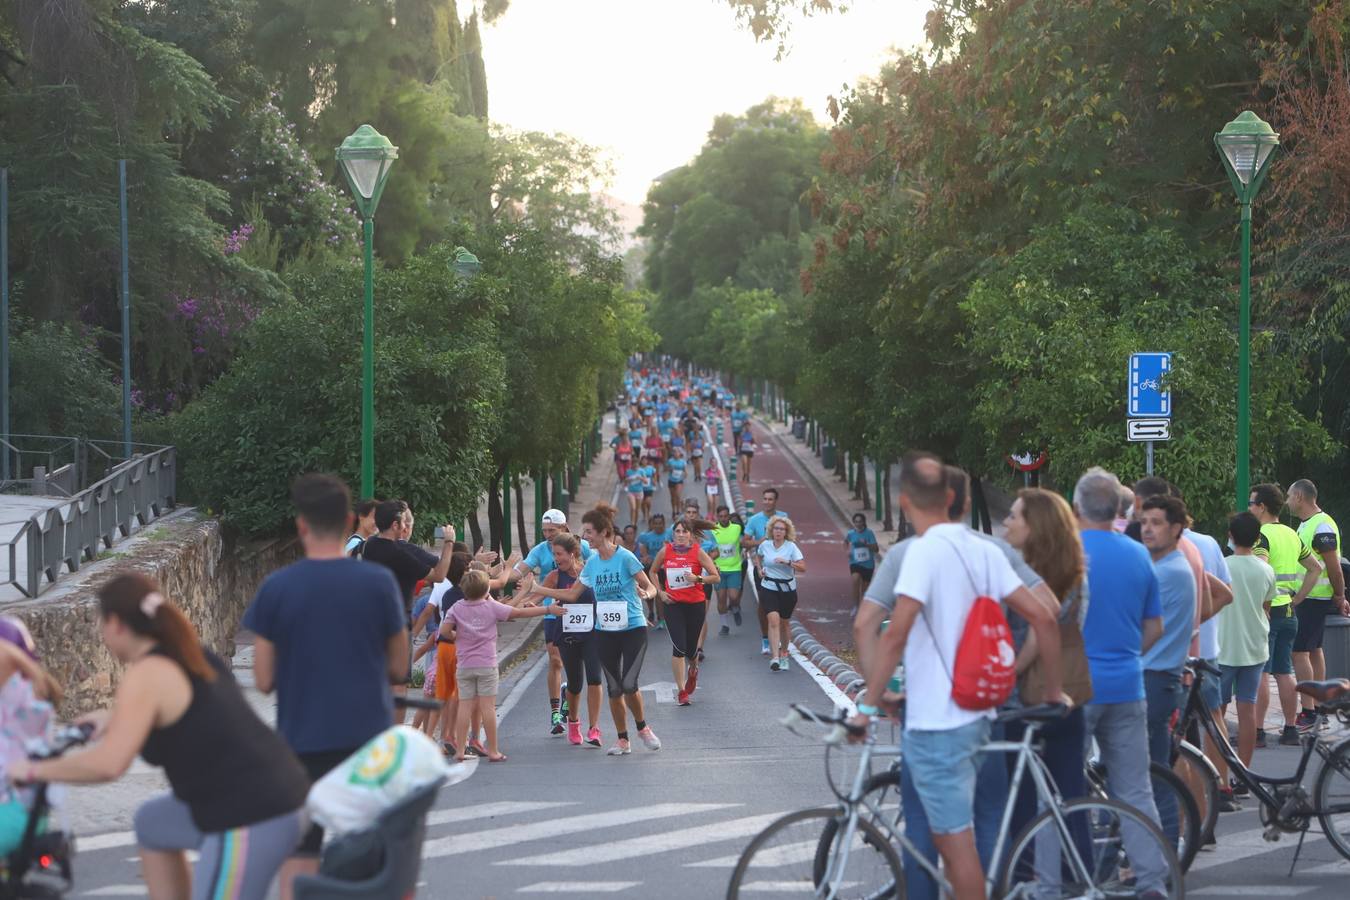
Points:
point(223, 761)
point(565, 581)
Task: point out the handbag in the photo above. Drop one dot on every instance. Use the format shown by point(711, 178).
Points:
point(1076, 674)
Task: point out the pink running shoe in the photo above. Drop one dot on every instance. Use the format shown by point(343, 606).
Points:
point(593, 738)
point(574, 733)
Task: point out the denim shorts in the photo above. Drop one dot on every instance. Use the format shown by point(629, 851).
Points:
point(1283, 631)
point(1209, 689)
point(943, 765)
point(1242, 682)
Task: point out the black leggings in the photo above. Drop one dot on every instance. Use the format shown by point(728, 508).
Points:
point(621, 654)
point(685, 623)
point(580, 654)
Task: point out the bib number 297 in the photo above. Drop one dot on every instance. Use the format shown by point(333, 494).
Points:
point(613, 615)
point(579, 619)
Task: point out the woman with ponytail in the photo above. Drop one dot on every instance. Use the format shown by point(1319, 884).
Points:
point(237, 790)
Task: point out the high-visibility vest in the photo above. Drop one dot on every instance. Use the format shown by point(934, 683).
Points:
point(1306, 532)
point(1286, 549)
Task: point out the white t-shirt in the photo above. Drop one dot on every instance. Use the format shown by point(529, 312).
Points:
point(933, 574)
point(778, 564)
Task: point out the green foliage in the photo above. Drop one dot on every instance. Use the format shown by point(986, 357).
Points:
point(59, 385)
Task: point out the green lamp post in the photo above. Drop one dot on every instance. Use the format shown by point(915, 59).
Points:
point(366, 156)
point(1247, 145)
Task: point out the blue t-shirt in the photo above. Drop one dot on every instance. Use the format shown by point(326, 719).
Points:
point(637, 479)
point(1176, 584)
point(860, 548)
point(738, 419)
point(666, 427)
point(615, 579)
point(329, 621)
point(676, 467)
point(653, 541)
point(649, 473)
point(757, 526)
point(1124, 592)
point(540, 559)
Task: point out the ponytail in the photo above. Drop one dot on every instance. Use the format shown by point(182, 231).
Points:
point(601, 518)
point(137, 602)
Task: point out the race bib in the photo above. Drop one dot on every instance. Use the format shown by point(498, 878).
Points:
point(712, 489)
point(862, 555)
point(613, 615)
point(580, 618)
point(726, 549)
point(679, 578)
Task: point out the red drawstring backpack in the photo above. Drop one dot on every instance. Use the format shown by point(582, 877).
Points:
point(984, 674)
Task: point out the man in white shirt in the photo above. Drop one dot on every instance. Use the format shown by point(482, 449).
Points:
point(943, 572)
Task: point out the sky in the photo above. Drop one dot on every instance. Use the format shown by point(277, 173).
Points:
point(644, 79)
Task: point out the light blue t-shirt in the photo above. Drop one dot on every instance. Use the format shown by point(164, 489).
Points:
point(1176, 584)
point(540, 559)
point(649, 473)
point(1124, 591)
point(615, 579)
point(666, 427)
point(859, 543)
point(637, 479)
point(1211, 555)
point(739, 418)
point(676, 467)
point(758, 525)
point(653, 541)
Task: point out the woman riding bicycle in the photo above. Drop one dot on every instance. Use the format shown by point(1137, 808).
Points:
point(237, 790)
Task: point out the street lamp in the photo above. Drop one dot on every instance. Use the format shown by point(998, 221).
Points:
point(465, 264)
point(366, 156)
point(1247, 145)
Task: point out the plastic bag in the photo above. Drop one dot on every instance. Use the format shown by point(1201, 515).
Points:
point(387, 769)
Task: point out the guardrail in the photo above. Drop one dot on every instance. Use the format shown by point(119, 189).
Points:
point(131, 494)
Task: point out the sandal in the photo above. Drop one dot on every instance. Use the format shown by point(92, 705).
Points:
point(448, 749)
point(500, 757)
point(476, 748)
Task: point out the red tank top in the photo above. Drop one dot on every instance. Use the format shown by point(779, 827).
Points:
point(679, 565)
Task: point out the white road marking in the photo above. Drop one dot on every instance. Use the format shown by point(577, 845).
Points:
point(787, 887)
point(105, 841)
point(664, 691)
point(1249, 843)
point(1251, 890)
point(488, 810)
point(777, 856)
point(493, 838)
point(578, 887)
point(823, 681)
point(521, 686)
point(665, 842)
point(118, 890)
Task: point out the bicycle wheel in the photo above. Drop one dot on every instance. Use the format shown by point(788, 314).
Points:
point(1332, 790)
point(1200, 777)
point(1109, 850)
point(1178, 815)
point(882, 794)
point(783, 859)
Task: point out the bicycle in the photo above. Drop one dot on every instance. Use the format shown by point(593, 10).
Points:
point(1180, 819)
point(1286, 807)
point(1069, 849)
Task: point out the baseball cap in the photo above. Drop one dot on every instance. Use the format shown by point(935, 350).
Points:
point(554, 517)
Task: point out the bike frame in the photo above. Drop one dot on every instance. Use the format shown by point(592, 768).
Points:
point(1027, 761)
point(1255, 782)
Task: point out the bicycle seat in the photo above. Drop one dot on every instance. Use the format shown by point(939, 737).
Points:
point(1042, 712)
point(1325, 691)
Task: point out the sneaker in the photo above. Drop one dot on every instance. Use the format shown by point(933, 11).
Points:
point(1306, 721)
point(1238, 788)
point(562, 705)
point(773, 664)
point(649, 739)
point(684, 698)
point(556, 728)
point(661, 626)
point(574, 733)
point(621, 748)
point(783, 664)
point(593, 738)
point(723, 631)
point(1261, 738)
point(691, 683)
point(1226, 802)
point(764, 647)
point(700, 654)
point(1289, 737)
point(736, 615)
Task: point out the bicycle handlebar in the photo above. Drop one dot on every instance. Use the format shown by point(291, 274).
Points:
point(840, 731)
point(1204, 665)
point(406, 702)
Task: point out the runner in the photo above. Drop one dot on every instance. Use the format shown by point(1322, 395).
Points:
point(739, 419)
point(675, 475)
point(687, 567)
point(747, 443)
point(655, 445)
point(578, 647)
point(636, 486)
point(727, 535)
point(862, 556)
point(623, 454)
point(779, 561)
point(620, 585)
point(696, 452)
point(756, 531)
point(650, 473)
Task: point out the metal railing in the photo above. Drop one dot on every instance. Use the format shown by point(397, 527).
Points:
point(128, 493)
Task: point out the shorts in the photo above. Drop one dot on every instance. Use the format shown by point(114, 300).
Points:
point(673, 483)
point(1312, 620)
point(447, 688)
point(696, 453)
point(865, 572)
point(781, 602)
point(944, 765)
point(1210, 689)
point(429, 682)
point(553, 631)
point(477, 681)
point(732, 581)
point(316, 766)
point(581, 660)
point(1283, 630)
point(1241, 681)
point(747, 451)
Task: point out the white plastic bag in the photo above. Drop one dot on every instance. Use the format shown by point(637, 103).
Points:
point(387, 769)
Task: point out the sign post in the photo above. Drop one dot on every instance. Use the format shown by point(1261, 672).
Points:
point(1149, 403)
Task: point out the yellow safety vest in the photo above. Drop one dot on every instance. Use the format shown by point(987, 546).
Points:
point(1306, 532)
point(1286, 549)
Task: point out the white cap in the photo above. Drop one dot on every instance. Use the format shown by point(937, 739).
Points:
point(554, 517)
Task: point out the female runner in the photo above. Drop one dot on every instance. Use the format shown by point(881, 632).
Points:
point(688, 568)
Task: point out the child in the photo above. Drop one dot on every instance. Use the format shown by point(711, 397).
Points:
point(472, 626)
point(1244, 630)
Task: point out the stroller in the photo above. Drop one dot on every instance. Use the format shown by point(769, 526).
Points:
point(40, 867)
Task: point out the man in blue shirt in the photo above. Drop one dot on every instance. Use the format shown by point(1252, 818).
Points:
point(330, 637)
point(1161, 523)
point(650, 543)
point(1124, 619)
point(756, 531)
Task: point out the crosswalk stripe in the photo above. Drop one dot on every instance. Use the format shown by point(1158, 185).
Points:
point(489, 810)
point(1252, 890)
point(493, 838)
point(787, 887)
point(578, 887)
point(1246, 844)
point(777, 856)
point(105, 841)
point(654, 843)
point(118, 890)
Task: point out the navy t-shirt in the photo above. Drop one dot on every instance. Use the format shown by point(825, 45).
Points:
point(330, 621)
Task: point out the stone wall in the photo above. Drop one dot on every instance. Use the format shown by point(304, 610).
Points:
point(211, 576)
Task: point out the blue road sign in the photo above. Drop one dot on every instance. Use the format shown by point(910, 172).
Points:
point(1147, 397)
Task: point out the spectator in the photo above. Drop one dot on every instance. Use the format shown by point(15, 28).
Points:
point(365, 527)
point(1244, 630)
point(1320, 533)
point(331, 634)
point(390, 548)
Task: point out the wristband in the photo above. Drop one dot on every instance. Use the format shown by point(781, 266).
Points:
point(868, 709)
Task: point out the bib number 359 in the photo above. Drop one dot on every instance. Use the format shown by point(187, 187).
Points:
point(613, 615)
